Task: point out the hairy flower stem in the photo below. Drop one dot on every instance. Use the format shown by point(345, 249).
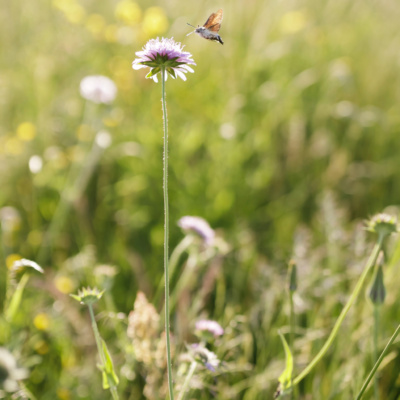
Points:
point(292, 326)
point(166, 233)
point(375, 346)
point(370, 263)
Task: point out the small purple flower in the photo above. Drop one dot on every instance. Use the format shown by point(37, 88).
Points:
point(205, 356)
point(166, 54)
point(210, 326)
point(199, 226)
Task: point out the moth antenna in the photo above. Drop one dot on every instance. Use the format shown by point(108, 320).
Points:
point(191, 25)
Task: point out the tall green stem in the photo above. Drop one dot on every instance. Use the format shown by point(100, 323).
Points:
point(372, 373)
point(375, 346)
point(166, 234)
point(292, 325)
point(189, 376)
point(96, 334)
point(370, 263)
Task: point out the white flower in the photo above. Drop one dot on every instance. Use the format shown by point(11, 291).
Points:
point(10, 373)
point(98, 88)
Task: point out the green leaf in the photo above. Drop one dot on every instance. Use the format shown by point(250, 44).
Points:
point(153, 72)
point(16, 298)
point(171, 71)
point(286, 377)
point(76, 297)
point(110, 378)
point(105, 380)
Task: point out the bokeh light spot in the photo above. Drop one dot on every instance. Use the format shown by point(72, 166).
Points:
point(128, 12)
point(41, 322)
point(293, 21)
point(64, 284)
point(26, 131)
point(155, 21)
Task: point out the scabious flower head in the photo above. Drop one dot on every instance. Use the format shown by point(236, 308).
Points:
point(383, 224)
point(201, 354)
point(164, 53)
point(210, 326)
point(98, 88)
point(198, 226)
point(88, 296)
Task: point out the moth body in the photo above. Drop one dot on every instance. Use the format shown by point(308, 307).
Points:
point(207, 34)
point(211, 28)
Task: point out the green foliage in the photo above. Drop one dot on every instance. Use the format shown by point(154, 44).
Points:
point(283, 139)
point(285, 378)
point(108, 374)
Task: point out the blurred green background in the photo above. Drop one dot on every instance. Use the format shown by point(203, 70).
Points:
point(283, 139)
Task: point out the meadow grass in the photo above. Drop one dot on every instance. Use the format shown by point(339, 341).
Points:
point(285, 139)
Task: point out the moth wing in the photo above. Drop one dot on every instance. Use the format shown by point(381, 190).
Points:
point(214, 21)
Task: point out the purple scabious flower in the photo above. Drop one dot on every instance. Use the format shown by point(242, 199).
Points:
point(210, 326)
point(205, 356)
point(164, 53)
point(199, 226)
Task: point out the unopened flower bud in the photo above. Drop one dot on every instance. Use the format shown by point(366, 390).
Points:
point(377, 292)
point(292, 276)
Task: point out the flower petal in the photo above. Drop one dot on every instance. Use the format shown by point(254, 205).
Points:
point(181, 74)
point(164, 53)
point(137, 65)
